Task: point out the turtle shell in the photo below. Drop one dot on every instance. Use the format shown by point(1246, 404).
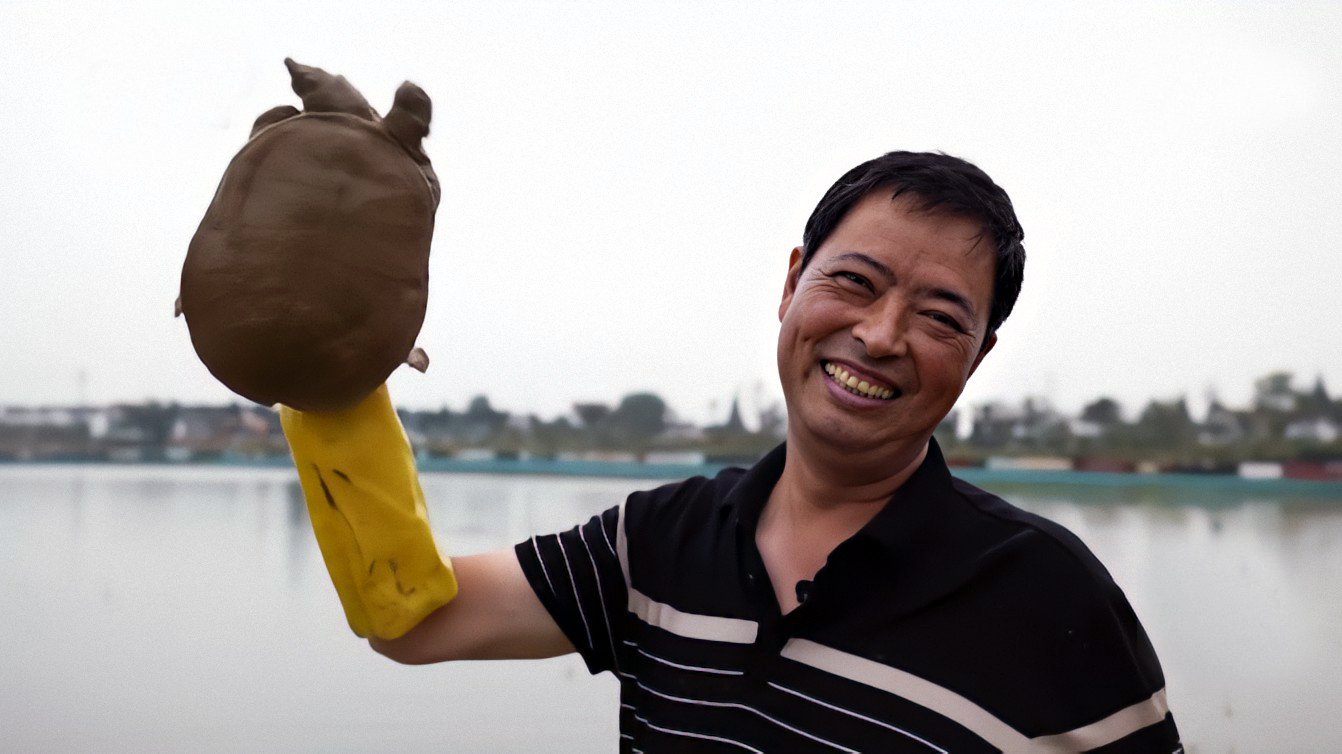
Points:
point(307, 280)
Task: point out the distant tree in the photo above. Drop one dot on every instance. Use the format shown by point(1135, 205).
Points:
point(946, 431)
point(1273, 392)
point(994, 425)
point(154, 420)
point(773, 421)
point(591, 414)
point(1105, 412)
point(478, 411)
point(1043, 428)
point(1166, 425)
point(1317, 402)
point(639, 417)
point(435, 422)
point(480, 422)
point(547, 438)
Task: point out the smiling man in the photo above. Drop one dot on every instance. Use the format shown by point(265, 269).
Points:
point(846, 593)
point(882, 325)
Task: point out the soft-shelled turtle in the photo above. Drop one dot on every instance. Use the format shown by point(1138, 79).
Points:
point(307, 280)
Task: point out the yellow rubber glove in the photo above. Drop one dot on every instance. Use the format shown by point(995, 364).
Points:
point(367, 510)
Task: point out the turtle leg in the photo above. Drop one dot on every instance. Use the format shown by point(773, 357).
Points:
point(418, 359)
point(408, 122)
point(408, 119)
point(272, 116)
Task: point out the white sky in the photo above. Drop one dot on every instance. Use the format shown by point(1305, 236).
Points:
point(623, 182)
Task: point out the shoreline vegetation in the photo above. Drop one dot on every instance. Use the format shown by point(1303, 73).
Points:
point(1286, 434)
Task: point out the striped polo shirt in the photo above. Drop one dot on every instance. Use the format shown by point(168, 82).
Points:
point(952, 622)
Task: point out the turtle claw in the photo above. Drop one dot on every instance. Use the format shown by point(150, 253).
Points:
point(177, 307)
point(418, 359)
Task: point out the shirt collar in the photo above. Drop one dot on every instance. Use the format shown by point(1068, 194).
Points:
point(935, 538)
point(918, 508)
point(928, 535)
point(745, 500)
point(923, 493)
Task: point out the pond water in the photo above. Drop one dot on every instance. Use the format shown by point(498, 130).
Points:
point(171, 609)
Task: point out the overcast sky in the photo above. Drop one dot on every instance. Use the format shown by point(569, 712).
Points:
point(623, 183)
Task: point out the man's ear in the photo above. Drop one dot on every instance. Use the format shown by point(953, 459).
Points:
point(987, 346)
point(790, 285)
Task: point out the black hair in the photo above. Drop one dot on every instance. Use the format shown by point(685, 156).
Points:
point(939, 183)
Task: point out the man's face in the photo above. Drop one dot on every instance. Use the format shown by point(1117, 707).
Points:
point(882, 329)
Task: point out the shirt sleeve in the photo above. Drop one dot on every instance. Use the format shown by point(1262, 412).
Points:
point(1150, 720)
point(578, 577)
point(1160, 738)
point(1114, 682)
point(1122, 654)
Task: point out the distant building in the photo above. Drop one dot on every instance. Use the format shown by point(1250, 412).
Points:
point(1222, 426)
point(37, 434)
point(677, 432)
point(1085, 429)
point(1320, 429)
point(994, 425)
point(733, 427)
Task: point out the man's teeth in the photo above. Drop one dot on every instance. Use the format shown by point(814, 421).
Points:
point(856, 386)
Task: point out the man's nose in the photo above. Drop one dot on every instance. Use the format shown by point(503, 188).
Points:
point(883, 328)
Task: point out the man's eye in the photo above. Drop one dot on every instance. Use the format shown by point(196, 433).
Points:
point(853, 277)
point(947, 320)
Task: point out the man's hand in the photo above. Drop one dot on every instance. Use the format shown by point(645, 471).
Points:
point(367, 510)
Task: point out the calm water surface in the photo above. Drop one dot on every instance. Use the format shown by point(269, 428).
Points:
point(187, 609)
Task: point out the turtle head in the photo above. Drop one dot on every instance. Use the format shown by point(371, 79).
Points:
point(323, 93)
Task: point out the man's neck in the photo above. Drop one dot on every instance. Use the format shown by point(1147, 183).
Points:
point(822, 477)
point(820, 501)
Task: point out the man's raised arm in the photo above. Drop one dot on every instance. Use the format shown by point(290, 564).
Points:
point(495, 616)
point(305, 285)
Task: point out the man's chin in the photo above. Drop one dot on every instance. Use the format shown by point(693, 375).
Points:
point(848, 435)
point(846, 438)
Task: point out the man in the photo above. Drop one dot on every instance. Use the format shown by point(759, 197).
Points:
point(846, 593)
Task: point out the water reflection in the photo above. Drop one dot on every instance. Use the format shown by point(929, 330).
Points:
point(188, 609)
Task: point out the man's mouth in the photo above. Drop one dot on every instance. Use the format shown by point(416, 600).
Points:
point(858, 386)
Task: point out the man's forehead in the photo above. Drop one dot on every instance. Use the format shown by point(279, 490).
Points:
point(934, 219)
point(942, 213)
point(965, 276)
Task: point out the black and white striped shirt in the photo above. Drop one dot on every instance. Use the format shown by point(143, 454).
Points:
point(953, 622)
